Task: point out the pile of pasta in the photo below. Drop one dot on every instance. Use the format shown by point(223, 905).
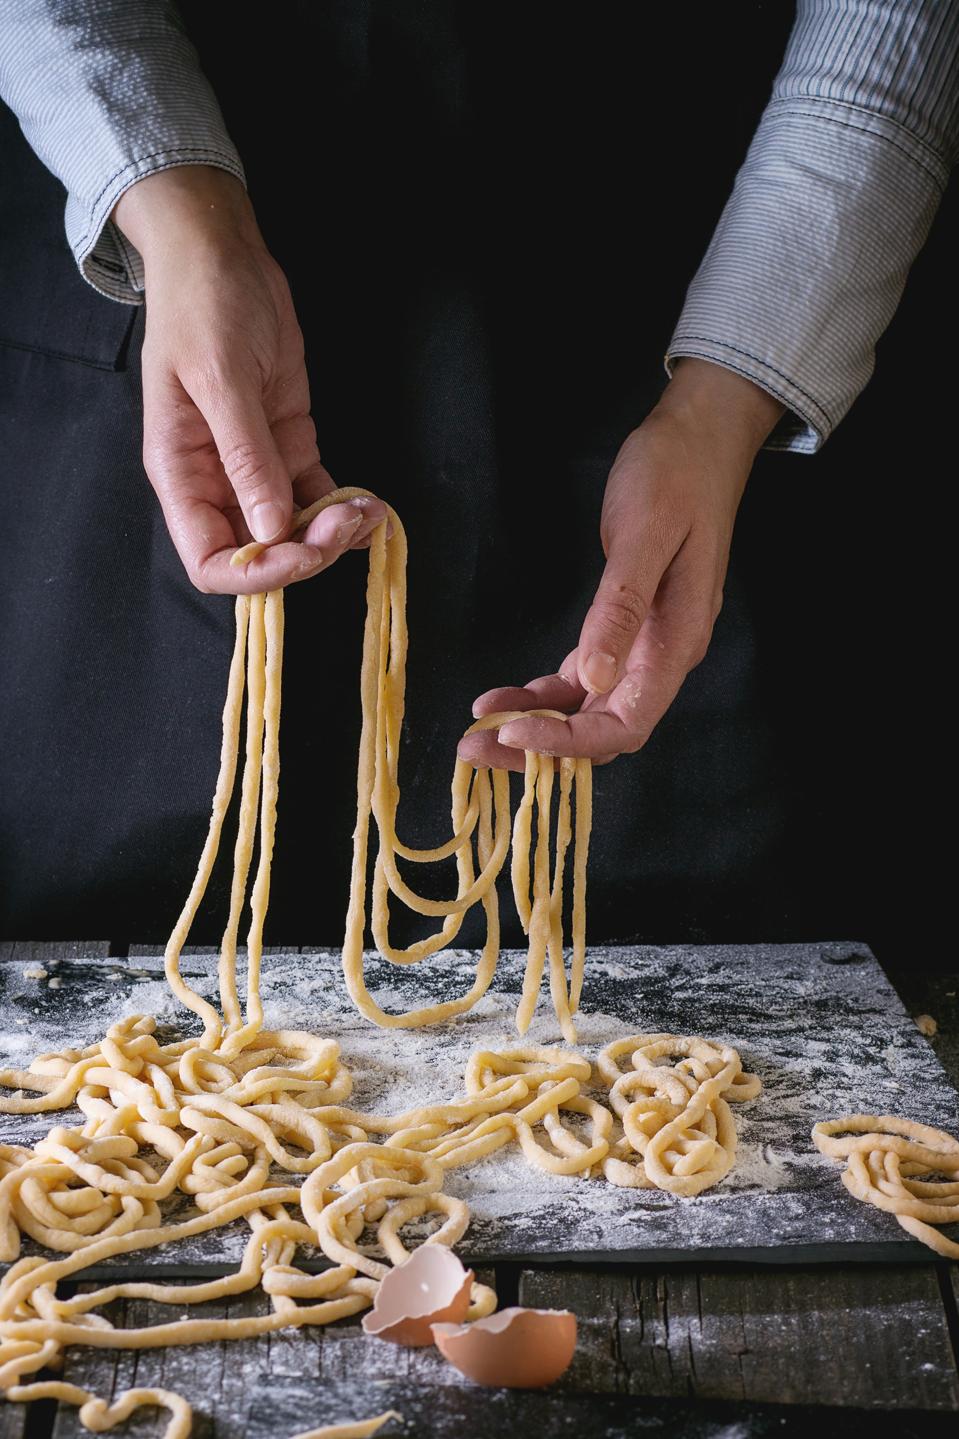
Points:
point(215, 1125)
point(239, 1122)
point(908, 1169)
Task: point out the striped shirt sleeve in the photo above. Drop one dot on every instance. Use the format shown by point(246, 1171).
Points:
point(106, 92)
point(830, 208)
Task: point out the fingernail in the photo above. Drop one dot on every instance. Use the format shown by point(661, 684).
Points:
point(504, 737)
point(599, 671)
point(390, 531)
point(348, 529)
point(310, 562)
point(267, 520)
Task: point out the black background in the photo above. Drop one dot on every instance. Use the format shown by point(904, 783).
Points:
point(488, 216)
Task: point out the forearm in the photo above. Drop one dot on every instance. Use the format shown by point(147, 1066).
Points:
point(831, 207)
point(107, 92)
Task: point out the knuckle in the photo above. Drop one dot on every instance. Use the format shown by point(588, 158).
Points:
point(699, 641)
point(245, 466)
point(621, 609)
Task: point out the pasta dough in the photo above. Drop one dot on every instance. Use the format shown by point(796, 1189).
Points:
point(890, 1163)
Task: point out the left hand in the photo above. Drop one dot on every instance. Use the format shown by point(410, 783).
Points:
point(667, 521)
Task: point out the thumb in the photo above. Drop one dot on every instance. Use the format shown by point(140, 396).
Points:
point(251, 460)
point(616, 616)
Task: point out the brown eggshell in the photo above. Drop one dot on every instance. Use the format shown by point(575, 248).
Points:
point(514, 1349)
point(430, 1286)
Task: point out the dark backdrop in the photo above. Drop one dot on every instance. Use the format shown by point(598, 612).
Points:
point(488, 217)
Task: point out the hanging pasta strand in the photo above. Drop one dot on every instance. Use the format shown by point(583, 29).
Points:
point(538, 898)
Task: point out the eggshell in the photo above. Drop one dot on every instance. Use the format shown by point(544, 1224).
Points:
point(514, 1349)
point(431, 1285)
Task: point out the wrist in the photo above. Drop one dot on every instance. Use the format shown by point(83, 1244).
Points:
point(188, 208)
point(716, 401)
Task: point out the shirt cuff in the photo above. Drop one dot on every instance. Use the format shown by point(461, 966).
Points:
point(105, 256)
point(810, 258)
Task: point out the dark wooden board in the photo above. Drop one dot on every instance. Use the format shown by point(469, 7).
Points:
point(13, 1419)
point(866, 1336)
point(851, 1338)
point(820, 1023)
point(497, 1413)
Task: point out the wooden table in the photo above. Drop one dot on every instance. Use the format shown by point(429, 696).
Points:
point(725, 1352)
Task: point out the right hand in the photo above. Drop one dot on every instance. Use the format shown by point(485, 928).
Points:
point(228, 442)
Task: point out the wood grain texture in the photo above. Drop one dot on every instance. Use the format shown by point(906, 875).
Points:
point(853, 1338)
point(274, 1406)
point(474, 1413)
point(847, 1335)
point(222, 1380)
point(13, 1418)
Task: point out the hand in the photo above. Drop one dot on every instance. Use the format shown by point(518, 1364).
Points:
point(666, 526)
point(228, 443)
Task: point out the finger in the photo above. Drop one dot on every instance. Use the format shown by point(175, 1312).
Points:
point(591, 734)
point(281, 564)
point(552, 692)
point(622, 602)
point(672, 642)
point(312, 480)
point(233, 409)
point(339, 527)
point(483, 749)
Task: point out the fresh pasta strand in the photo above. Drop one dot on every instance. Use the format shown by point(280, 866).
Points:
point(382, 695)
point(892, 1163)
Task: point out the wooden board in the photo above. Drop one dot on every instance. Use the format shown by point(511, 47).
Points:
point(277, 1408)
point(820, 1023)
point(736, 1334)
point(860, 1339)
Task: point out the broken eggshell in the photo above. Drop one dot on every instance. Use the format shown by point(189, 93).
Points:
point(514, 1349)
point(431, 1285)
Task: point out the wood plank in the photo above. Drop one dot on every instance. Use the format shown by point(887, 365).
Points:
point(246, 1389)
point(13, 1421)
point(285, 1407)
point(41, 952)
point(848, 1336)
point(277, 1408)
point(222, 1380)
point(273, 1386)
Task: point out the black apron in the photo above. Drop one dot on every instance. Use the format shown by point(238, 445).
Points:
point(488, 224)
